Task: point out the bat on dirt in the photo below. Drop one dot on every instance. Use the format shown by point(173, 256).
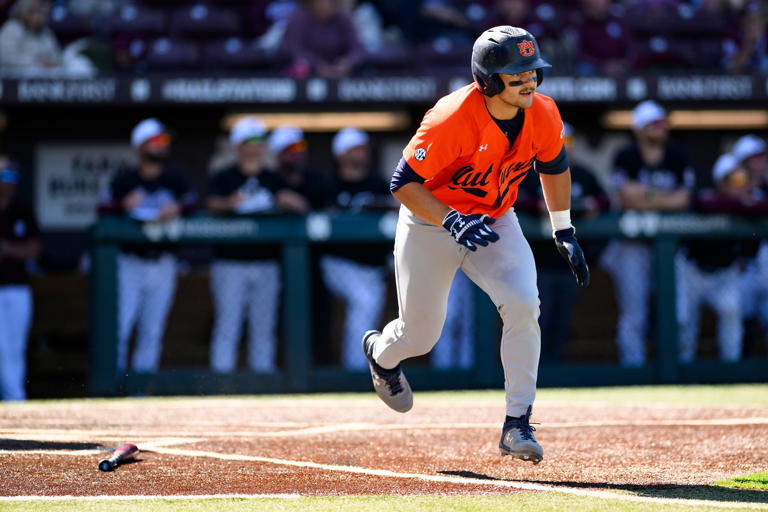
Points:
point(126, 452)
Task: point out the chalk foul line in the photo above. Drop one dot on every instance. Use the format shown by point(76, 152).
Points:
point(526, 486)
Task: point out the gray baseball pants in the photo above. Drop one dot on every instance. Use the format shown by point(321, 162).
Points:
point(426, 259)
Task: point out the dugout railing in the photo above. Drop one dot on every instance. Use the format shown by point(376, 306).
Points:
point(297, 234)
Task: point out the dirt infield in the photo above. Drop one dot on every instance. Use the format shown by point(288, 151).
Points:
point(357, 446)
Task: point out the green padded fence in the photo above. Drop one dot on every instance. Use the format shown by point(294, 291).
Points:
point(296, 236)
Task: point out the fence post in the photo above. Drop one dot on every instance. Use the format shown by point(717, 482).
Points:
point(297, 314)
point(664, 249)
point(103, 319)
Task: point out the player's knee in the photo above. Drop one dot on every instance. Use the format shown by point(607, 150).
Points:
point(520, 302)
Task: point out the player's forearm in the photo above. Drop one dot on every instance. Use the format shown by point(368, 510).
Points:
point(557, 190)
point(27, 250)
point(417, 198)
point(218, 204)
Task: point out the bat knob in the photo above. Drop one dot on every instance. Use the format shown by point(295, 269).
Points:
point(106, 465)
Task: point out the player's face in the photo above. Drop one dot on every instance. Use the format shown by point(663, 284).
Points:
point(656, 131)
point(355, 157)
point(757, 162)
point(519, 89)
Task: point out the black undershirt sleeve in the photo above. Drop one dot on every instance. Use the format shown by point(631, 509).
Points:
point(557, 166)
point(403, 175)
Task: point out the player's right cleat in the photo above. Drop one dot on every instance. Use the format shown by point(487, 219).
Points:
point(517, 439)
point(390, 385)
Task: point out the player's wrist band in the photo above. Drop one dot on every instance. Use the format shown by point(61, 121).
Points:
point(560, 220)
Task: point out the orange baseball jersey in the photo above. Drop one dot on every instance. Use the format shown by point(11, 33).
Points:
point(465, 158)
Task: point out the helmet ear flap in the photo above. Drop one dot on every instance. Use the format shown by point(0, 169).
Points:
point(495, 85)
point(490, 87)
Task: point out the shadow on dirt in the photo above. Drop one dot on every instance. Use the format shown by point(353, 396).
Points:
point(29, 444)
point(671, 491)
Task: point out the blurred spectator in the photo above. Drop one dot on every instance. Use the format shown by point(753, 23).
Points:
point(747, 49)
point(19, 245)
point(245, 280)
point(276, 15)
point(305, 188)
point(604, 40)
point(708, 271)
point(651, 174)
point(456, 346)
point(26, 42)
point(356, 273)
point(320, 39)
point(151, 191)
point(750, 152)
point(558, 291)
point(29, 47)
point(368, 23)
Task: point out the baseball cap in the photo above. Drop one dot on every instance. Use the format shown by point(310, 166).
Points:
point(748, 146)
point(645, 113)
point(146, 130)
point(348, 138)
point(247, 128)
point(723, 166)
point(284, 136)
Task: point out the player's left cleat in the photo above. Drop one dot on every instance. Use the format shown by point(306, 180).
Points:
point(518, 441)
point(390, 385)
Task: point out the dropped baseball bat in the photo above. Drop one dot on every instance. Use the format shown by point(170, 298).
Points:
point(122, 454)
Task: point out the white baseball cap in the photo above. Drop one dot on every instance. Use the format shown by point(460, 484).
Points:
point(247, 128)
point(748, 146)
point(723, 166)
point(145, 130)
point(284, 136)
point(348, 138)
point(647, 112)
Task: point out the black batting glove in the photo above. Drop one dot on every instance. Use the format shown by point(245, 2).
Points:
point(568, 247)
point(470, 230)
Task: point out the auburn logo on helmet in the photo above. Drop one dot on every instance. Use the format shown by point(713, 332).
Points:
point(526, 48)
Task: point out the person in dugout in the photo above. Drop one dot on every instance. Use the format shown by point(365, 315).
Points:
point(146, 274)
point(19, 246)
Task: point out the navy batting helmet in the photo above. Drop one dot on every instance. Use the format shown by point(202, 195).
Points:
point(505, 49)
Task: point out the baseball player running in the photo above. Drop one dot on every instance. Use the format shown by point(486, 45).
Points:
point(457, 182)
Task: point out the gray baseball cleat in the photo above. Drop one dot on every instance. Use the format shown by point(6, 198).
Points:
point(390, 385)
point(517, 439)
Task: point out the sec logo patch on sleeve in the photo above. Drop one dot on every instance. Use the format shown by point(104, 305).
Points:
point(420, 154)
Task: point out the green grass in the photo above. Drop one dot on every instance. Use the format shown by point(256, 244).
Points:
point(756, 481)
point(731, 395)
point(540, 502)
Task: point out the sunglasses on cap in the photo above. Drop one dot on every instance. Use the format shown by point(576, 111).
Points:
point(254, 141)
point(9, 176)
point(297, 147)
point(161, 140)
